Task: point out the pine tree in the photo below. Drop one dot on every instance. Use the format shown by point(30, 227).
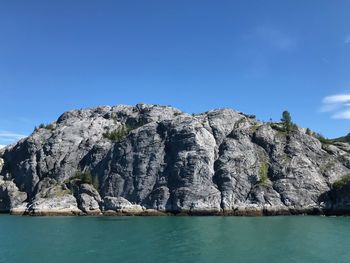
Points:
point(287, 121)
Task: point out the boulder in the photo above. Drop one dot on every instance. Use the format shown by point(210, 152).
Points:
point(120, 204)
point(10, 196)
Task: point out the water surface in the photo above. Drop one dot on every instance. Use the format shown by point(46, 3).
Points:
point(174, 239)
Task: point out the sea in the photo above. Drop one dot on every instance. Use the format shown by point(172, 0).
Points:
point(174, 239)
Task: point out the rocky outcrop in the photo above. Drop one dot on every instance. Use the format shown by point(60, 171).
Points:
point(154, 158)
point(1, 164)
point(52, 198)
point(120, 204)
point(88, 198)
point(10, 197)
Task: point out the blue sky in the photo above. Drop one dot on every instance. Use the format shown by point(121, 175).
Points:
point(259, 57)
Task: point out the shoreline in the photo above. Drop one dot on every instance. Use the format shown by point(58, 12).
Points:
point(151, 212)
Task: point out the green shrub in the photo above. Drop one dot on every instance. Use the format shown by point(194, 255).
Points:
point(277, 127)
point(308, 132)
point(288, 125)
point(45, 126)
point(282, 128)
point(286, 120)
point(84, 176)
point(120, 133)
point(117, 135)
point(263, 173)
point(322, 139)
point(50, 127)
point(341, 182)
point(345, 139)
point(249, 116)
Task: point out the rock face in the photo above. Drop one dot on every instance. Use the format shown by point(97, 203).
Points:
point(10, 196)
point(150, 157)
point(120, 204)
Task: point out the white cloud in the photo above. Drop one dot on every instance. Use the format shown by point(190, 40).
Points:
point(338, 104)
point(342, 115)
point(11, 134)
point(329, 107)
point(347, 40)
point(10, 137)
point(276, 38)
point(335, 99)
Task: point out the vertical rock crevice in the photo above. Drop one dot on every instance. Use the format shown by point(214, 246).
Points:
point(172, 161)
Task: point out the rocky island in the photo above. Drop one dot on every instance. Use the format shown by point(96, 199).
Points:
point(152, 159)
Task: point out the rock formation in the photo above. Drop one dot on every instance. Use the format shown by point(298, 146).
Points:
point(151, 159)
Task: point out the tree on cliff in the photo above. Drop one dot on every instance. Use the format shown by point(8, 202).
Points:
point(287, 121)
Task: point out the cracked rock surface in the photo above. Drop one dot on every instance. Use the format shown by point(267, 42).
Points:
point(157, 158)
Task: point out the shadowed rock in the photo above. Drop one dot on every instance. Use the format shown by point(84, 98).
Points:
point(157, 158)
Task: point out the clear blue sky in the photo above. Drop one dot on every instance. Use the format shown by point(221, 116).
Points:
point(260, 57)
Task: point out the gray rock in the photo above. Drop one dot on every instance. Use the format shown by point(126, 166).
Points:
point(1, 164)
point(88, 204)
point(10, 196)
point(120, 204)
point(88, 198)
point(20, 209)
point(59, 205)
point(90, 190)
point(341, 198)
point(221, 161)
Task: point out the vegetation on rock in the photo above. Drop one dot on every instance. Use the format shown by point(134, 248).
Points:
point(117, 135)
point(45, 126)
point(341, 182)
point(84, 176)
point(308, 132)
point(263, 174)
point(56, 191)
point(121, 133)
point(206, 163)
point(288, 125)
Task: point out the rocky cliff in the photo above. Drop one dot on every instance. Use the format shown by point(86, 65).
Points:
point(151, 159)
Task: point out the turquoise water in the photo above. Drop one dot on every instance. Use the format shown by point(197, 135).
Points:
point(174, 239)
